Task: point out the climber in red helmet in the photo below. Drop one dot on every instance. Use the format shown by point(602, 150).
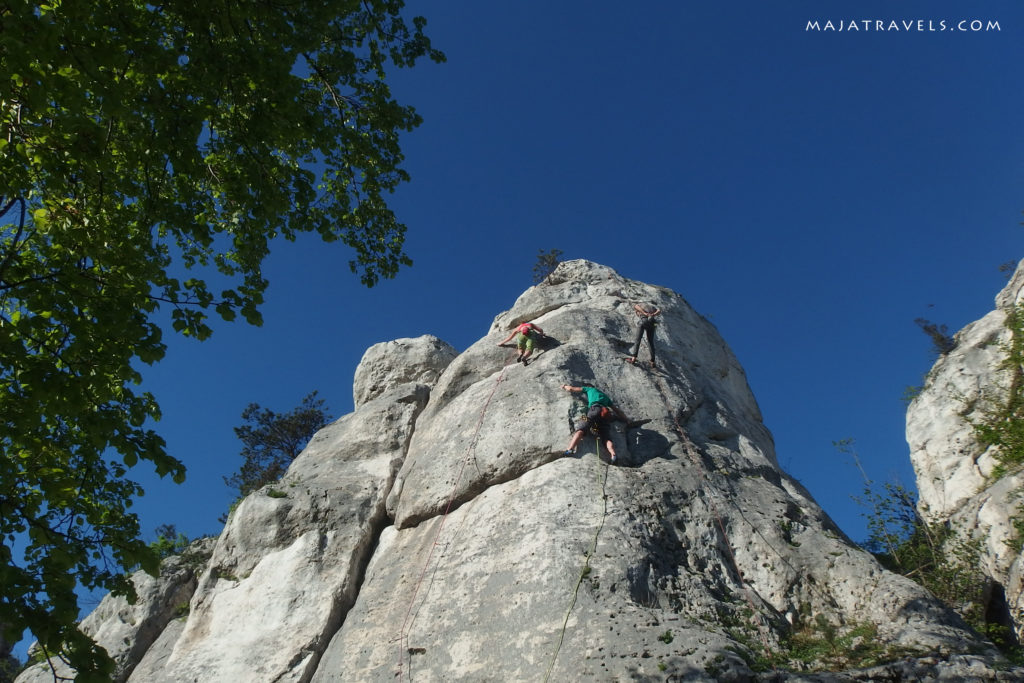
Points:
point(528, 334)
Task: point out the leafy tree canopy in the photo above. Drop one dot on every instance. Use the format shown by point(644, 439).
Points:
point(270, 441)
point(149, 154)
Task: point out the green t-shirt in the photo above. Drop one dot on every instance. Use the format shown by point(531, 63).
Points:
point(596, 397)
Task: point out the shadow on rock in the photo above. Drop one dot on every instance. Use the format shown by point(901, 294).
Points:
point(641, 446)
point(545, 344)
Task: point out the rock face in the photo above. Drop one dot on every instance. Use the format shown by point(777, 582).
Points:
point(954, 471)
point(422, 360)
point(128, 631)
point(288, 566)
point(438, 533)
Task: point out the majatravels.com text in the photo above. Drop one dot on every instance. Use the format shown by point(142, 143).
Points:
point(903, 25)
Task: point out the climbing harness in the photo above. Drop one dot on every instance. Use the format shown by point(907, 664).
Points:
point(403, 635)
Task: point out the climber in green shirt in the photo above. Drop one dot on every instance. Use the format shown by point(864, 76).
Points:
point(601, 412)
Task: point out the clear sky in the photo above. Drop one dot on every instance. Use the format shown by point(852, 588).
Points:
point(810, 191)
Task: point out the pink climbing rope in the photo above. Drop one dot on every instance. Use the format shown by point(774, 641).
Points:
point(403, 634)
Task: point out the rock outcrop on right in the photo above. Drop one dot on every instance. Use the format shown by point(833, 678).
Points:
point(956, 471)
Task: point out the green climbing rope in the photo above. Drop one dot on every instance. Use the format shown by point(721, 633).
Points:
point(586, 564)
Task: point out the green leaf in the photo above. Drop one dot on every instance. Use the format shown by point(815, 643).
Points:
point(40, 217)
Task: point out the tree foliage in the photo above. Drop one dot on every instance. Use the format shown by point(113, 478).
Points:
point(1000, 422)
point(937, 556)
point(169, 541)
point(150, 153)
point(546, 264)
point(942, 340)
point(270, 441)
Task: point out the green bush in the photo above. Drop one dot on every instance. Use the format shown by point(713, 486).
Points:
point(169, 541)
point(1002, 421)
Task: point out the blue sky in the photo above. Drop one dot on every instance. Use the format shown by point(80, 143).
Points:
point(811, 192)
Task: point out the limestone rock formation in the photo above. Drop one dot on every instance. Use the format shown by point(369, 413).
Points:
point(127, 631)
point(954, 470)
point(288, 566)
point(438, 533)
point(421, 361)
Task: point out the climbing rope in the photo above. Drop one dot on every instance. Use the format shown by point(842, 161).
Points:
point(403, 634)
point(584, 571)
point(586, 563)
point(694, 456)
point(692, 453)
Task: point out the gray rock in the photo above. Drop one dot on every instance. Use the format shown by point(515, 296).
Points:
point(402, 361)
point(706, 554)
point(290, 560)
point(127, 631)
point(502, 588)
point(954, 471)
point(152, 665)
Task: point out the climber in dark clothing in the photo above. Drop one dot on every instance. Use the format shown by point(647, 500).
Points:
point(647, 319)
